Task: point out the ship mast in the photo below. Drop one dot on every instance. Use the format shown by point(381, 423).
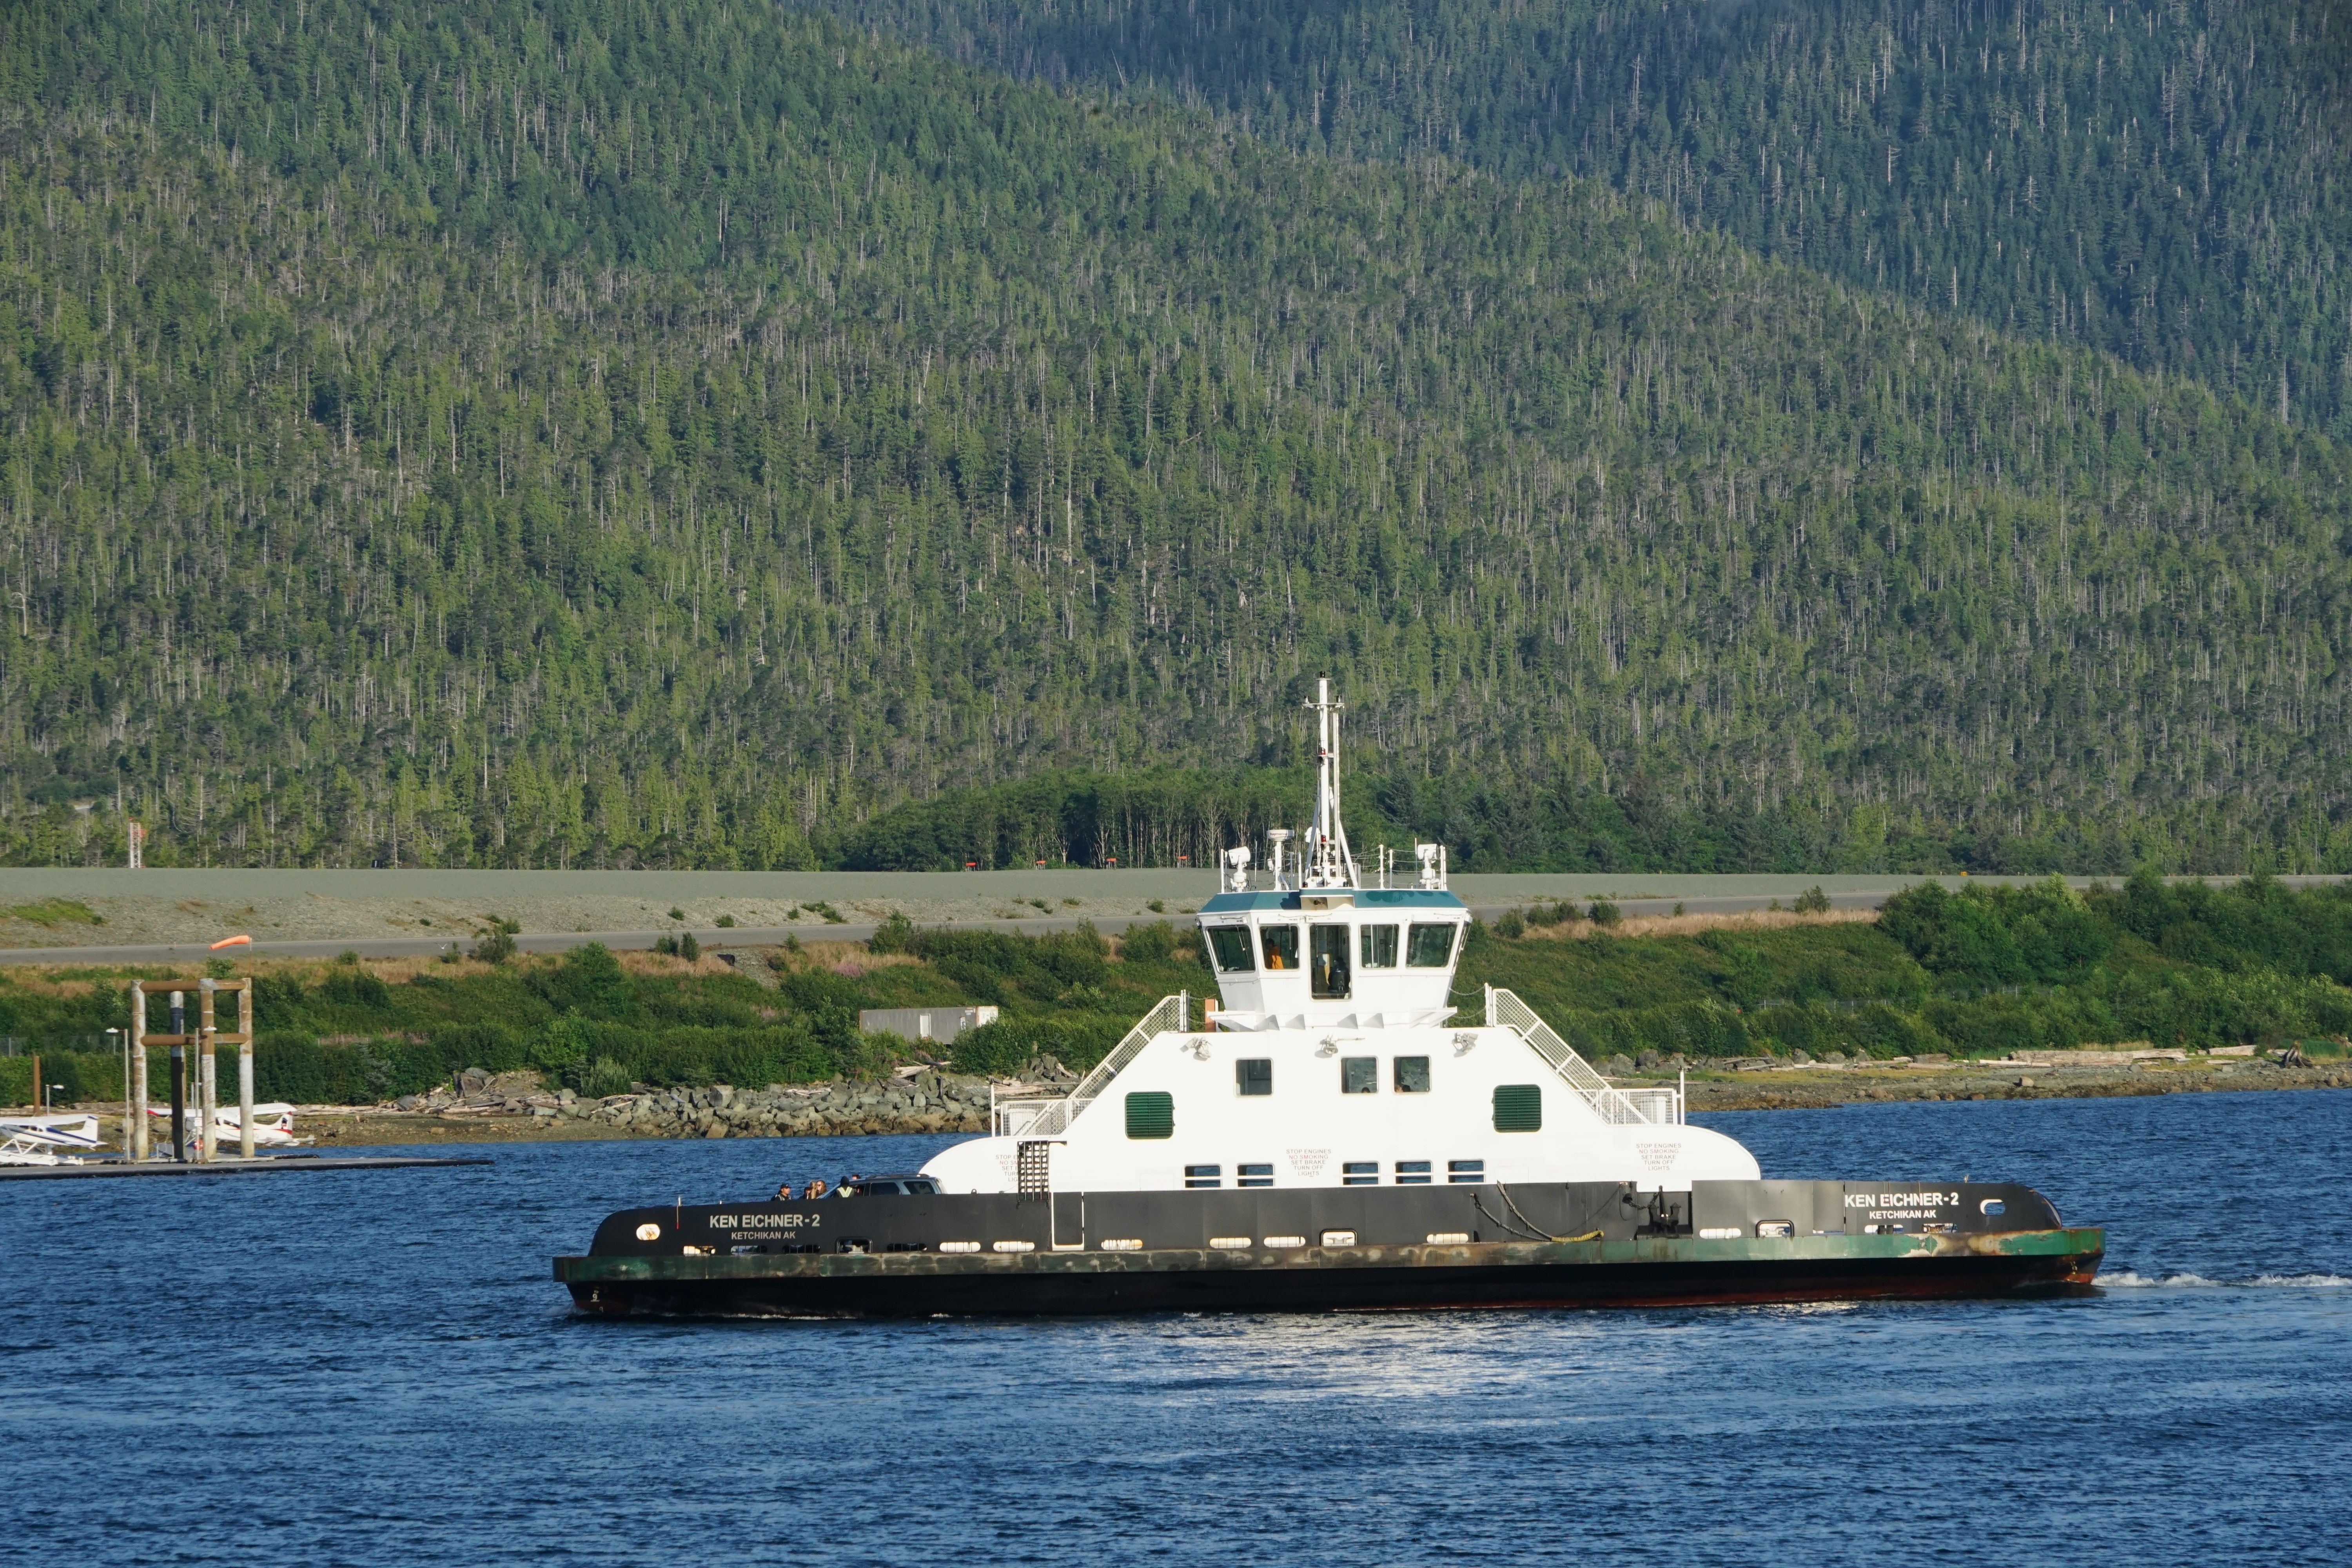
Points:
point(1330, 862)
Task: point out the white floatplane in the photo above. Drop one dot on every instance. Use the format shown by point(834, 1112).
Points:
point(273, 1125)
point(52, 1139)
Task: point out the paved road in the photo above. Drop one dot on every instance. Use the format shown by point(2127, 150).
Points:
point(752, 936)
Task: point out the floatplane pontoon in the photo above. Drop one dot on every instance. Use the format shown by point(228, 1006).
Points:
point(1331, 1134)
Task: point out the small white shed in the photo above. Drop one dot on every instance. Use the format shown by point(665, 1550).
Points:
point(939, 1024)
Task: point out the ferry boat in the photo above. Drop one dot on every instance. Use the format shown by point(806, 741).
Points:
point(1330, 1134)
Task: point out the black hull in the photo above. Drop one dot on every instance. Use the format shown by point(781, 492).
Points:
point(1329, 1250)
point(1353, 1289)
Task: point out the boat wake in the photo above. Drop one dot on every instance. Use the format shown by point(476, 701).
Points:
point(2131, 1280)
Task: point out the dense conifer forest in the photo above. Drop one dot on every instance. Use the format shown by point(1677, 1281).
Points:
point(627, 432)
point(2166, 179)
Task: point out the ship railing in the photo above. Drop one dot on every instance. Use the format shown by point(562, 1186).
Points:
point(1051, 1118)
point(1617, 1106)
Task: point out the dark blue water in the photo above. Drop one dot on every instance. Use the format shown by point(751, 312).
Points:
point(376, 1368)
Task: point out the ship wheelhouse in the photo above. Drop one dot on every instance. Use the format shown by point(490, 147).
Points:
point(1339, 1055)
point(1367, 958)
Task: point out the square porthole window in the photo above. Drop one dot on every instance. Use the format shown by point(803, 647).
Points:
point(1151, 1113)
point(1255, 1074)
point(1413, 1173)
point(1360, 1174)
point(1253, 1175)
point(1411, 1075)
point(1359, 1075)
point(1204, 1175)
point(1472, 1171)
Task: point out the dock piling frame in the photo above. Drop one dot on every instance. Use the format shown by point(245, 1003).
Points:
point(207, 1037)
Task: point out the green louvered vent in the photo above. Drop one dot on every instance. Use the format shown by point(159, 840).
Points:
point(1518, 1108)
point(1150, 1113)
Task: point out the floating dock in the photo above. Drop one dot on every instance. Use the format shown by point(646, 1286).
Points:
point(260, 1165)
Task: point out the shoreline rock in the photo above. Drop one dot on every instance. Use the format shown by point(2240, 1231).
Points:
point(1821, 1089)
point(934, 1101)
point(497, 1110)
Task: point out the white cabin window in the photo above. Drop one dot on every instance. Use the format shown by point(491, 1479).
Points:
point(1413, 1173)
point(1253, 1175)
point(1412, 1074)
point(1254, 1075)
point(1231, 945)
point(1429, 947)
point(1359, 1075)
point(1472, 1171)
point(1360, 1174)
point(1281, 945)
point(1379, 945)
point(1326, 962)
point(1204, 1175)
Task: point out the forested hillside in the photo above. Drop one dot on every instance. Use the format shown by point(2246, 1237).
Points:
point(2166, 179)
point(625, 432)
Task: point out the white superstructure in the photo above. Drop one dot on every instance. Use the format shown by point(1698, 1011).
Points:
point(1337, 1057)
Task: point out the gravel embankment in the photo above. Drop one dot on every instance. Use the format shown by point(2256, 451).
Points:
point(1801, 1088)
point(934, 1101)
point(502, 1110)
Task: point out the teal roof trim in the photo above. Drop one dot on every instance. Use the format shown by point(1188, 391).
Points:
point(1366, 898)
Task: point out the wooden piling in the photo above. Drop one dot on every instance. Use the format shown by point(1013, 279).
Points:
point(245, 1070)
point(135, 1090)
point(207, 1073)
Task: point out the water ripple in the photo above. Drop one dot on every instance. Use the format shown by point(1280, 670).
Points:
point(376, 1369)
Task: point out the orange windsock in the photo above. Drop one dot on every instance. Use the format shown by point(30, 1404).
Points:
point(231, 941)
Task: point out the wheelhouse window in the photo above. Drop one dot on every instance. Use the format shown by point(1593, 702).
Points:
point(1281, 945)
point(1326, 962)
point(1359, 1075)
point(1472, 1171)
point(1231, 946)
point(1429, 946)
point(1413, 1173)
point(1411, 1075)
point(1360, 1174)
point(1379, 946)
point(1204, 1175)
point(1151, 1113)
point(1255, 1074)
point(1253, 1175)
